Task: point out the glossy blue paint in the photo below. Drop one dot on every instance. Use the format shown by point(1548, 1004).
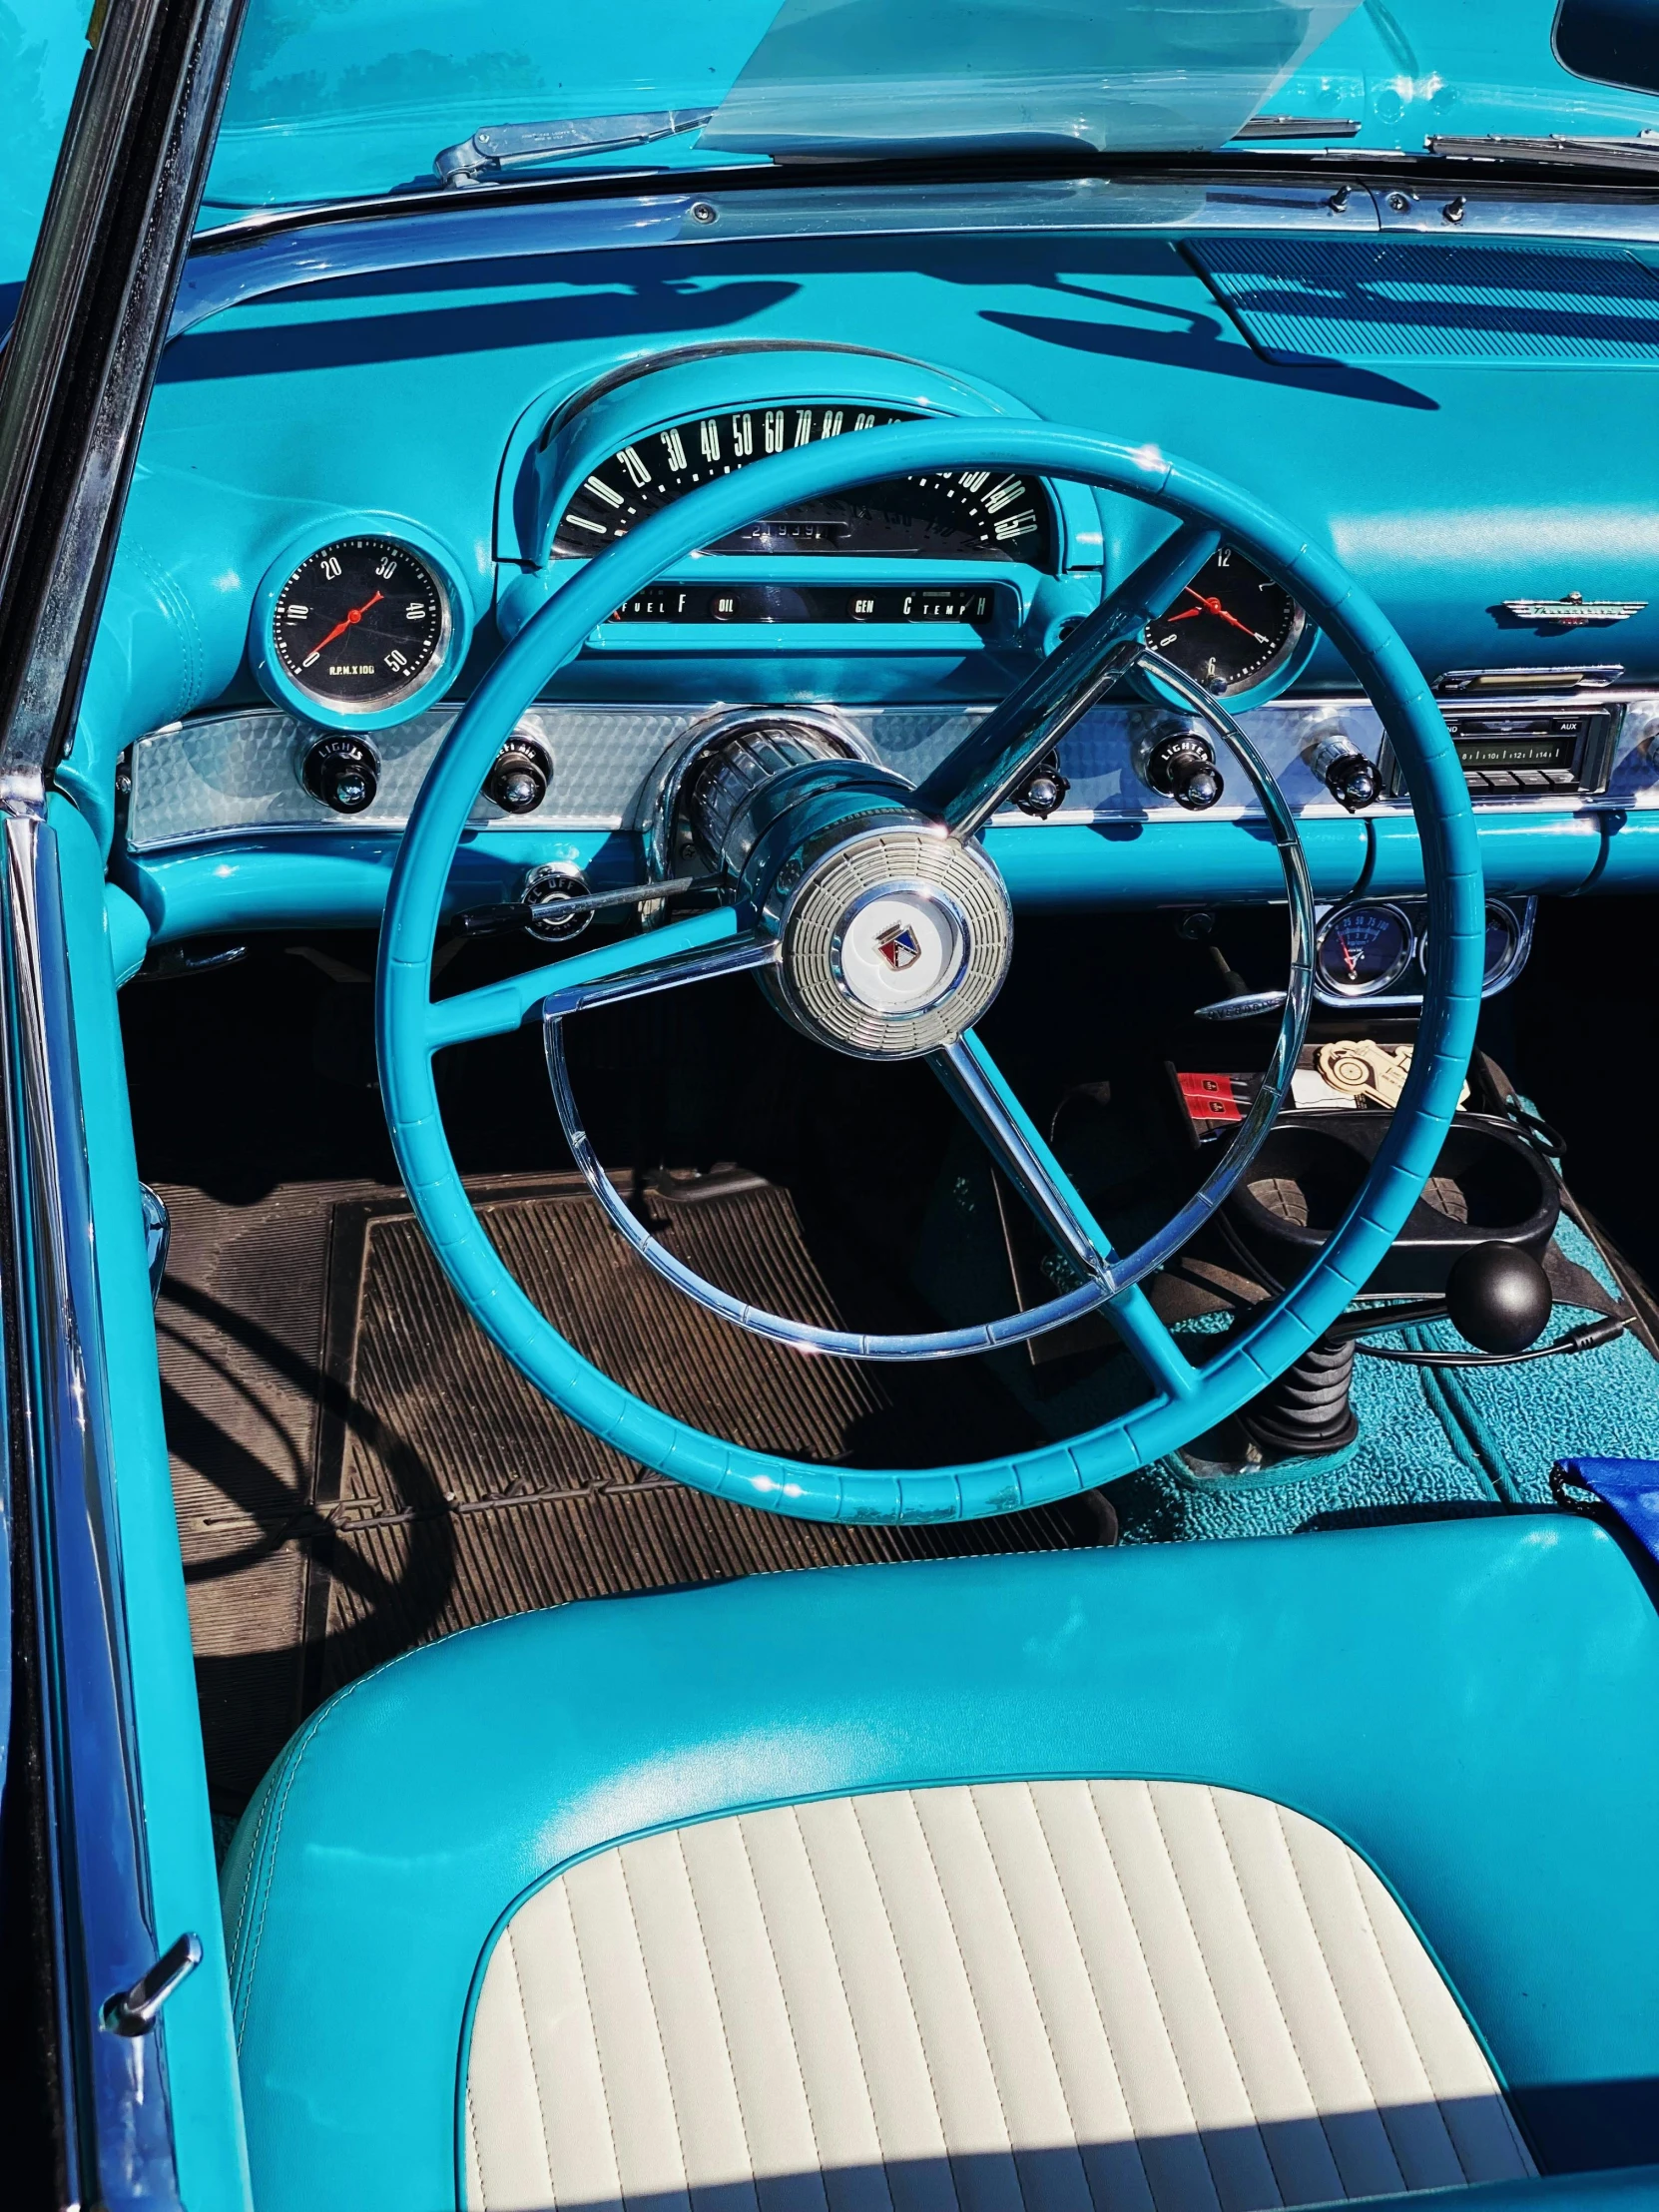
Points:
point(265, 663)
point(407, 1036)
point(291, 412)
point(210, 2151)
point(300, 883)
point(342, 882)
point(1463, 1702)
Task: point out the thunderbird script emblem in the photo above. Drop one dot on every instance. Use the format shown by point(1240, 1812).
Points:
point(899, 947)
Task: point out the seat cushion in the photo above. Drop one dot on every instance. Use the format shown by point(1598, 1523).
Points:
point(1051, 1997)
point(1472, 1707)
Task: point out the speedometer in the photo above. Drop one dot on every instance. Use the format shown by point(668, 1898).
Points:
point(977, 514)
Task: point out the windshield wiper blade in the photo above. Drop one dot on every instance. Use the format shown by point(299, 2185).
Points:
point(1557, 149)
point(501, 149)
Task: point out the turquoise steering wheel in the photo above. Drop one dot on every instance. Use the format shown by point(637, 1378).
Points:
point(831, 849)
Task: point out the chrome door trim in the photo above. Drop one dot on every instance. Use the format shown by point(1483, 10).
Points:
point(118, 2134)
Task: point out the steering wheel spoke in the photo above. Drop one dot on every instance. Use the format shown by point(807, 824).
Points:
point(889, 928)
point(685, 952)
point(971, 783)
point(1019, 1147)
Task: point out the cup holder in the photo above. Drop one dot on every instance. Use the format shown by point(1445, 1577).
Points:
point(1488, 1183)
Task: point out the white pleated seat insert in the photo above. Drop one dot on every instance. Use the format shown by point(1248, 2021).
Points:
point(1055, 1997)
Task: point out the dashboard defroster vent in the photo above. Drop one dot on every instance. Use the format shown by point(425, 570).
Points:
point(1390, 299)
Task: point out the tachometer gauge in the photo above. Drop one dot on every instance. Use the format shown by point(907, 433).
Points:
point(1232, 628)
point(359, 625)
point(1362, 949)
point(977, 514)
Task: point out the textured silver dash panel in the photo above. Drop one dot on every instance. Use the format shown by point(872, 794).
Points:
point(229, 775)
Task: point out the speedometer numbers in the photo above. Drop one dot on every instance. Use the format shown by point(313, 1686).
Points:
point(1232, 627)
point(359, 624)
point(978, 514)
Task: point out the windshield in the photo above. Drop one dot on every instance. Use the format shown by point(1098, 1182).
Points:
point(42, 44)
point(332, 98)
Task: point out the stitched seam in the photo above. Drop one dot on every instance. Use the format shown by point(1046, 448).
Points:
point(1273, 1987)
point(784, 2000)
point(1030, 1982)
point(1411, 2033)
point(656, 2021)
point(477, 2160)
point(598, 2040)
point(535, 2069)
point(720, 2015)
point(904, 1975)
point(1094, 1997)
point(847, 1997)
point(245, 1973)
point(973, 1994)
point(1278, 1812)
point(1158, 2000)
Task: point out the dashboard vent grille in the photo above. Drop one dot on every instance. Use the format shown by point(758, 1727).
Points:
point(1388, 299)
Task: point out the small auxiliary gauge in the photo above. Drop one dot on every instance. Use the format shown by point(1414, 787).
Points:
point(357, 631)
point(1232, 628)
point(1362, 949)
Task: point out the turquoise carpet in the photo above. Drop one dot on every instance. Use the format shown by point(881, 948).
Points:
point(1429, 1438)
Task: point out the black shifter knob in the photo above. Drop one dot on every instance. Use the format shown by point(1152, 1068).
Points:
point(344, 772)
point(1183, 766)
point(1498, 1298)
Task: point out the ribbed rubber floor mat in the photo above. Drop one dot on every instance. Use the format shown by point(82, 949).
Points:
point(357, 1471)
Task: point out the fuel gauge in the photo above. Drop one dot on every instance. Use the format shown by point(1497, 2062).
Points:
point(1362, 949)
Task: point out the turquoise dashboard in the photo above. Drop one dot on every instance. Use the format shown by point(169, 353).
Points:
point(378, 444)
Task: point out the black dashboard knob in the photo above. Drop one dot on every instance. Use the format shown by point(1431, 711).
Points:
point(1498, 1298)
point(345, 773)
point(1183, 766)
point(1346, 775)
point(519, 779)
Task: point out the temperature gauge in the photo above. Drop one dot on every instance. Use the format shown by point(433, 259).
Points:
point(1363, 949)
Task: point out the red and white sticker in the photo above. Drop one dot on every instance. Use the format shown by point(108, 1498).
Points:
point(1213, 1101)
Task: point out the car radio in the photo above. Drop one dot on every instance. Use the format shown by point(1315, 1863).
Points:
point(1529, 749)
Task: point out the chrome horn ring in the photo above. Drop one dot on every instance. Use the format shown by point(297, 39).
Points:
point(958, 1060)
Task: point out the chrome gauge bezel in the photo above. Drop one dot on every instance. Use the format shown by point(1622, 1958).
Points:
point(1344, 995)
point(1517, 916)
point(455, 623)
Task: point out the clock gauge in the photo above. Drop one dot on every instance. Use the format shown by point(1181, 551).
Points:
point(1232, 628)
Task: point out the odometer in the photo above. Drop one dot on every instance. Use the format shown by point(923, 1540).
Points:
point(359, 624)
point(981, 514)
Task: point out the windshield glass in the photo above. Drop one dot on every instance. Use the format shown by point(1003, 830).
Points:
point(332, 98)
point(42, 44)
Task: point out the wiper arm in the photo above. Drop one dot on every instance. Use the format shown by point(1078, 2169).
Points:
point(1638, 155)
point(500, 150)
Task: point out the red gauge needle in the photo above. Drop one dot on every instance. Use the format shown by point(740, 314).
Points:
point(339, 629)
point(1215, 607)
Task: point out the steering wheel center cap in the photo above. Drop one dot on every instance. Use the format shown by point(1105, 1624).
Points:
point(895, 941)
point(900, 950)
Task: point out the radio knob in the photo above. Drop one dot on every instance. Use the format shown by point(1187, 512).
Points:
point(1344, 771)
point(344, 772)
point(519, 779)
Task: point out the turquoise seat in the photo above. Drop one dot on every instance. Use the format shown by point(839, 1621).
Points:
point(1453, 1725)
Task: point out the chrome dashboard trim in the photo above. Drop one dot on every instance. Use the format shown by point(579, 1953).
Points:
point(237, 263)
point(221, 777)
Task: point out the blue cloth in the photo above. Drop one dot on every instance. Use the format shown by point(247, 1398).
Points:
point(1630, 1488)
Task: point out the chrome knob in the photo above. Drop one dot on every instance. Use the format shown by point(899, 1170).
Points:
point(518, 780)
point(342, 772)
point(1183, 766)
